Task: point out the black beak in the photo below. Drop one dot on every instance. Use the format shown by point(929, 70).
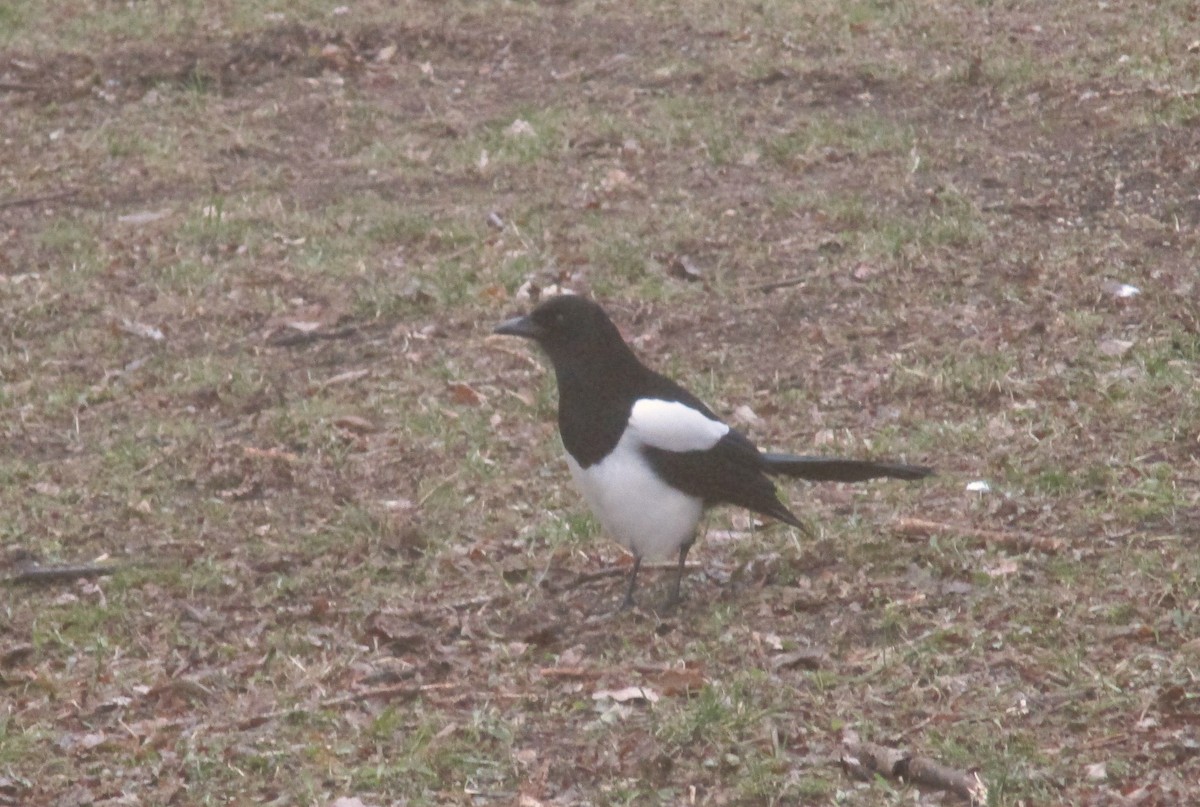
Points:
point(520, 326)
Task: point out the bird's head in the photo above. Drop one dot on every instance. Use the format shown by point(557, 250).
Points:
point(568, 328)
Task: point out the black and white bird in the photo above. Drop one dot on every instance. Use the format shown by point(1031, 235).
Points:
point(648, 456)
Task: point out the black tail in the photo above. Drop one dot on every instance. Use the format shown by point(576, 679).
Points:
point(835, 469)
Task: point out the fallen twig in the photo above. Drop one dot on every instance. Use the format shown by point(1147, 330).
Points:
point(474, 602)
point(393, 691)
point(521, 356)
point(25, 201)
point(781, 284)
point(388, 692)
point(308, 337)
point(864, 760)
point(568, 672)
point(59, 573)
point(920, 528)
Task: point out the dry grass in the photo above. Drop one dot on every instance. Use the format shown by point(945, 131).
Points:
point(248, 268)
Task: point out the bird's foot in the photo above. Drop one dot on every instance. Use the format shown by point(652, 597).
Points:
point(673, 601)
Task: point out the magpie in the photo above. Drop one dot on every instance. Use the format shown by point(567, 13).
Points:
point(647, 455)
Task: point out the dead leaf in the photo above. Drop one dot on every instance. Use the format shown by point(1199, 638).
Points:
point(684, 268)
point(999, 428)
point(863, 271)
point(1136, 796)
point(831, 246)
point(82, 742)
point(568, 672)
point(530, 291)
point(495, 292)
point(345, 378)
point(771, 640)
point(615, 179)
point(677, 681)
point(143, 216)
point(745, 416)
point(807, 658)
point(396, 633)
point(1114, 347)
point(271, 454)
point(627, 694)
point(465, 395)
point(1120, 290)
point(112, 704)
point(1002, 568)
point(414, 291)
point(520, 128)
point(142, 330)
point(16, 655)
point(353, 423)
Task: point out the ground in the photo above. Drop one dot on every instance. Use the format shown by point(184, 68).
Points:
point(250, 258)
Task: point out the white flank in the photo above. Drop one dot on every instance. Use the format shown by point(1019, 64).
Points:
point(673, 426)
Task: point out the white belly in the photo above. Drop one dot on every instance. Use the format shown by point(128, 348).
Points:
point(637, 509)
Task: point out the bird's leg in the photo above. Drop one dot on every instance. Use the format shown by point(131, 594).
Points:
point(675, 598)
point(628, 601)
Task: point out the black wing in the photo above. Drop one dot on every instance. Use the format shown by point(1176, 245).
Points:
point(728, 473)
point(731, 472)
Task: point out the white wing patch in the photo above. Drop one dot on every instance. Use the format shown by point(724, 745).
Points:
point(674, 426)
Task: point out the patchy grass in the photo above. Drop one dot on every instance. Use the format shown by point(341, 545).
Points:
point(250, 255)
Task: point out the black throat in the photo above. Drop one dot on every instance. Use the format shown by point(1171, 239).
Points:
point(596, 394)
